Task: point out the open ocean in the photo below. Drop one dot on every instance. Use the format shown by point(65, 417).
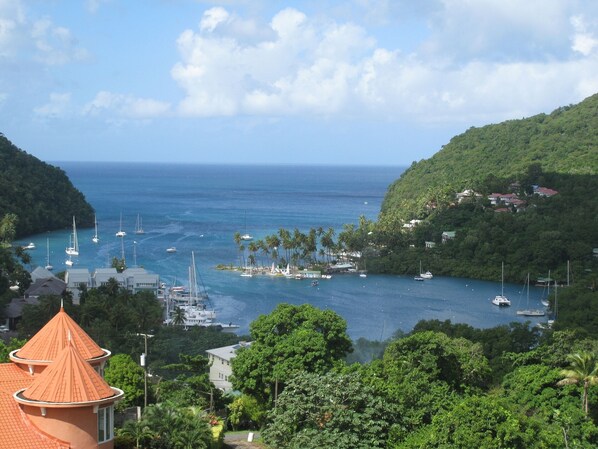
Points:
point(200, 207)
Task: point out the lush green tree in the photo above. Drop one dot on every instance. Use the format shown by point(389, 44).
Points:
point(329, 410)
point(456, 361)
point(124, 373)
point(190, 384)
point(475, 422)
point(583, 369)
point(7, 348)
point(289, 340)
point(246, 413)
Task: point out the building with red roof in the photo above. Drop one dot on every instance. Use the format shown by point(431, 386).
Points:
point(53, 394)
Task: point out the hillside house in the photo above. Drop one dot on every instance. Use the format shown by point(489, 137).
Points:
point(220, 364)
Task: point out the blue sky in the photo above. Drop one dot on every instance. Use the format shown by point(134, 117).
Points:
point(367, 82)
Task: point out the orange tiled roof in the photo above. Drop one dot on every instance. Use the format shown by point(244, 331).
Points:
point(69, 379)
point(16, 432)
point(53, 337)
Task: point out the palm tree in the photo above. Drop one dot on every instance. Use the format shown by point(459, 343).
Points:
point(178, 316)
point(138, 430)
point(583, 368)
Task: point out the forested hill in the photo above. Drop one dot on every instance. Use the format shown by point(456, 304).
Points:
point(564, 142)
point(42, 196)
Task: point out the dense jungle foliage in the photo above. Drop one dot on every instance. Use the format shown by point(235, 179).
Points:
point(565, 141)
point(556, 234)
point(40, 195)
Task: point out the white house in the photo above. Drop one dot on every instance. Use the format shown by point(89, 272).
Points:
point(220, 364)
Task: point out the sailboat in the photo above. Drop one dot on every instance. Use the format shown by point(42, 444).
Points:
point(49, 266)
point(139, 225)
point(426, 275)
point(95, 238)
point(501, 300)
point(528, 311)
point(246, 236)
point(120, 232)
point(73, 249)
point(545, 302)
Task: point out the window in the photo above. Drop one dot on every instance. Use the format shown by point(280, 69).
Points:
point(105, 424)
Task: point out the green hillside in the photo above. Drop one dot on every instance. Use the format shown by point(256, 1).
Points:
point(40, 195)
point(565, 141)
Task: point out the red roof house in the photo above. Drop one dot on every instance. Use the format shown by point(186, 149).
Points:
point(52, 394)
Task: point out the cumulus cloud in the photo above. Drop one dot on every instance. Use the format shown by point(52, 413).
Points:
point(481, 60)
point(125, 106)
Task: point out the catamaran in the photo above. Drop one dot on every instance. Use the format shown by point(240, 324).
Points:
point(73, 249)
point(501, 300)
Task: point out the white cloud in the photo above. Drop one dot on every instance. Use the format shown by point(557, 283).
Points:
point(125, 106)
point(584, 41)
point(58, 106)
point(212, 18)
point(483, 60)
point(55, 45)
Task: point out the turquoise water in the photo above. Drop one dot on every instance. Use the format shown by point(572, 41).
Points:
point(199, 208)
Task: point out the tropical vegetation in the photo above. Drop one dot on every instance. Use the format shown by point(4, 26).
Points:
point(41, 195)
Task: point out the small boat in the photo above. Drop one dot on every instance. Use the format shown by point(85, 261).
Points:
point(48, 266)
point(418, 278)
point(120, 232)
point(363, 275)
point(95, 238)
point(139, 225)
point(73, 249)
point(69, 262)
point(501, 300)
point(172, 249)
point(315, 283)
point(30, 246)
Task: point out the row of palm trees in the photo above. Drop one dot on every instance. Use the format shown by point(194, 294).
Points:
point(317, 246)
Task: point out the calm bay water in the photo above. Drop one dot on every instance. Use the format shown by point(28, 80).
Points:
point(200, 207)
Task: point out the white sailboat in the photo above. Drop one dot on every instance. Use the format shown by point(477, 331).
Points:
point(49, 266)
point(139, 225)
point(73, 249)
point(120, 232)
point(95, 238)
point(527, 311)
point(246, 236)
point(501, 300)
point(426, 275)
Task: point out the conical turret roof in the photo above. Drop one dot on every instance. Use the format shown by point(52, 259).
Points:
point(53, 338)
point(69, 379)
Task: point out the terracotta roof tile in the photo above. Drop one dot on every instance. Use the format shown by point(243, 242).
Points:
point(53, 337)
point(16, 432)
point(69, 379)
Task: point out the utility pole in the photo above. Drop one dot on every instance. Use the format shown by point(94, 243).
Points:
point(143, 363)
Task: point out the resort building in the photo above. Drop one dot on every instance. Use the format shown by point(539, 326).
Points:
point(220, 364)
point(133, 279)
point(53, 394)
